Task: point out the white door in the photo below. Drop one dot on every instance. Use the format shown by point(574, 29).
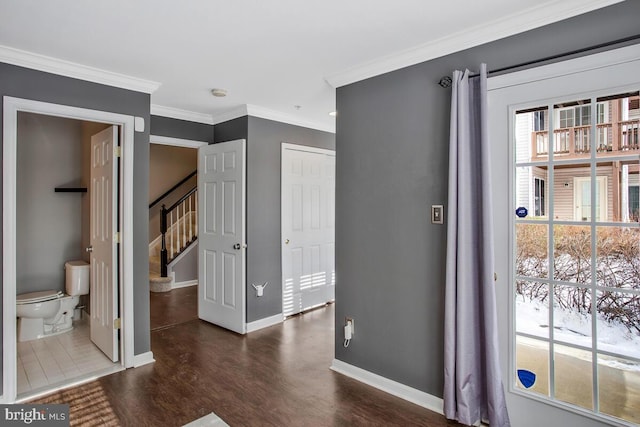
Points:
point(582, 198)
point(221, 238)
point(308, 227)
point(565, 362)
point(104, 280)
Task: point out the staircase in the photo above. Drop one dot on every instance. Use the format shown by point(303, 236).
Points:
point(178, 231)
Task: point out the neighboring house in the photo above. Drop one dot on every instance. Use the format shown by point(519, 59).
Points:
point(616, 135)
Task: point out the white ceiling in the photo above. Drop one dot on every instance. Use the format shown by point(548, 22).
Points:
point(270, 55)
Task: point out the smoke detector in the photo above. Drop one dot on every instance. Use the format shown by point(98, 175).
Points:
point(220, 93)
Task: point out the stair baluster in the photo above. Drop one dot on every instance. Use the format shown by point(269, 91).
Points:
point(163, 250)
point(178, 227)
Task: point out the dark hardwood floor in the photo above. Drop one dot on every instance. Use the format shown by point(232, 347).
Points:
point(173, 307)
point(278, 376)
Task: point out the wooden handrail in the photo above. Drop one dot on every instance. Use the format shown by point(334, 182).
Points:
point(172, 189)
point(182, 199)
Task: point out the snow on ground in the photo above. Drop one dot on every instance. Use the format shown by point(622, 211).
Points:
point(532, 317)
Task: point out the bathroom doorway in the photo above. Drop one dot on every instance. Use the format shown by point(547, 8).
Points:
point(54, 223)
point(57, 361)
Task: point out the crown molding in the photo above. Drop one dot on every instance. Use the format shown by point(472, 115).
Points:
point(176, 113)
point(48, 64)
point(538, 16)
point(175, 142)
point(265, 113)
point(234, 113)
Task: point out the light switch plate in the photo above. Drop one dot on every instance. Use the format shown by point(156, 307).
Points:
point(437, 214)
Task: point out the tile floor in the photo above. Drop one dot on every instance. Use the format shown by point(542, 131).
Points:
point(51, 362)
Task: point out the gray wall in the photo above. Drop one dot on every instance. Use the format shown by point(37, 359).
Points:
point(231, 130)
point(264, 142)
point(186, 269)
point(175, 128)
point(48, 227)
point(392, 153)
point(36, 85)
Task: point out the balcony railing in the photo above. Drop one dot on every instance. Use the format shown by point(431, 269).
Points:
point(612, 138)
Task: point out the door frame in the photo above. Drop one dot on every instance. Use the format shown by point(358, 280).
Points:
point(296, 147)
point(502, 108)
point(184, 143)
point(11, 107)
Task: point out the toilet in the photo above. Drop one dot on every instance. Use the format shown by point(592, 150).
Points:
point(46, 313)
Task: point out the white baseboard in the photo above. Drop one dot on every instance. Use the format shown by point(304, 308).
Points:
point(265, 323)
point(143, 359)
point(184, 284)
point(397, 389)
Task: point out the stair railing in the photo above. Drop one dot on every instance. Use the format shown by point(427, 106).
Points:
point(178, 221)
point(172, 189)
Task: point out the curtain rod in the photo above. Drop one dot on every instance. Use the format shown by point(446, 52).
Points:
point(446, 81)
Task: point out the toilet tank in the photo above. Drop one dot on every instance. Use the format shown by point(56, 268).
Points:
point(76, 277)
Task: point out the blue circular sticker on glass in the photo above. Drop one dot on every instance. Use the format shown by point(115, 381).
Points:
point(522, 212)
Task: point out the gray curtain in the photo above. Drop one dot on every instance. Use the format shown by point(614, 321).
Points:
point(473, 390)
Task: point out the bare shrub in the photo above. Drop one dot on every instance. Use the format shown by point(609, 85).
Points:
point(617, 266)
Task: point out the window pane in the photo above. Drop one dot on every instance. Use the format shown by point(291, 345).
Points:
point(572, 315)
point(573, 376)
point(532, 253)
point(531, 135)
point(572, 133)
point(531, 191)
point(619, 388)
point(617, 132)
point(532, 308)
point(572, 254)
point(618, 323)
point(618, 257)
point(618, 183)
point(533, 356)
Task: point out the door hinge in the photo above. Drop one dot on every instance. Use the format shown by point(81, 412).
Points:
point(117, 151)
point(116, 237)
point(116, 323)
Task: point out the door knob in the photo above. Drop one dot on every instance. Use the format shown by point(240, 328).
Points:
point(89, 249)
point(237, 246)
point(286, 241)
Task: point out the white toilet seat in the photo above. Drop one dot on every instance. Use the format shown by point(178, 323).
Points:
point(38, 297)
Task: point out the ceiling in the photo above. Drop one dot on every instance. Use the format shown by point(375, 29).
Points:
point(279, 59)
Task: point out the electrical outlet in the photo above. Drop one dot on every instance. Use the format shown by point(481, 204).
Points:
point(349, 320)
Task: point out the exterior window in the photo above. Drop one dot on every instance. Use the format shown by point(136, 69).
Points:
point(575, 116)
point(539, 196)
point(601, 113)
point(634, 203)
point(539, 122)
point(566, 118)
